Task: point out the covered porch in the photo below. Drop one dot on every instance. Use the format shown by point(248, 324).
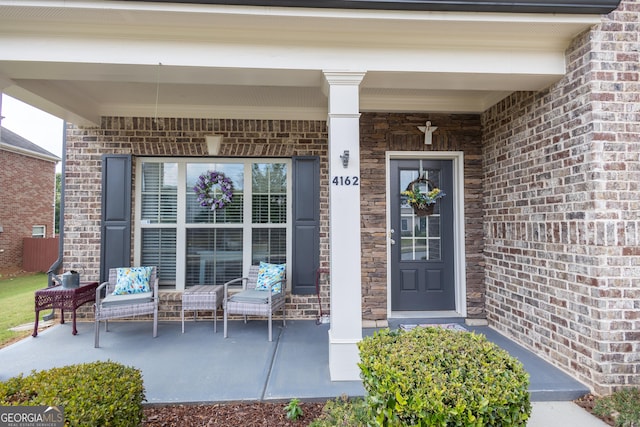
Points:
point(202, 366)
point(179, 80)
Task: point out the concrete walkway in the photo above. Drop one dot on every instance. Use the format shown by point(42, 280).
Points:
point(200, 366)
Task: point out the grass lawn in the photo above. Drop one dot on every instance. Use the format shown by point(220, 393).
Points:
point(17, 304)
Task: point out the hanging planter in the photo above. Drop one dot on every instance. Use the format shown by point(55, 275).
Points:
point(205, 190)
point(426, 211)
point(423, 204)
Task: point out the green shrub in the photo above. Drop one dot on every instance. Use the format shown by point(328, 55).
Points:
point(344, 413)
point(436, 377)
point(92, 394)
point(623, 406)
point(293, 409)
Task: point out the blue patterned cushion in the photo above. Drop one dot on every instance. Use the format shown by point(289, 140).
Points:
point(269, 273)
point(132, 280)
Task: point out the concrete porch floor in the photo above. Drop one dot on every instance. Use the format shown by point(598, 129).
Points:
point(200, 366)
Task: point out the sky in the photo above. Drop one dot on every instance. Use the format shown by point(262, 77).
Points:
point(33, 124)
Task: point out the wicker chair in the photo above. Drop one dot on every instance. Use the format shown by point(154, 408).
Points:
point(124, 306)
point(253, 302)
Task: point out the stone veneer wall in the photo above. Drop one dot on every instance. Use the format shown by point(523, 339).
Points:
point(562, 223)
point(382, 132)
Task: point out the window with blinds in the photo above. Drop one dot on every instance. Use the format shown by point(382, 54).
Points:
point(233, 212)
point(159, 194)
point(192, 244)
point(269, 195)
point(159, 249)
point(269, 245)
point(269, 213)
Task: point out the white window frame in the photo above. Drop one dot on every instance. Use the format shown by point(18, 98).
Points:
point(39, 235)
point(181, 225)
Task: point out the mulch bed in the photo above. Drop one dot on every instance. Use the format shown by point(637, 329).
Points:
point(587, 402)
point(237, 414)
point(260, 414)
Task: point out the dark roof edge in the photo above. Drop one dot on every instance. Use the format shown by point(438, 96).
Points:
point(591, 7)
point(11, 140)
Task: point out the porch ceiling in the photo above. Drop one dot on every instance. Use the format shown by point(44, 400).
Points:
point(83, 60)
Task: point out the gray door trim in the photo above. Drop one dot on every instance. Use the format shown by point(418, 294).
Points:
point(457, 158)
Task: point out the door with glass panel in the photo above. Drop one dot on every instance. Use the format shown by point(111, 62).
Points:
point(422, 262)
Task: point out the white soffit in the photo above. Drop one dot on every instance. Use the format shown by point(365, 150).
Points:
point(90, 58)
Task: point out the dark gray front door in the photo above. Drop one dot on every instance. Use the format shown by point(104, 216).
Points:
point(422, 253)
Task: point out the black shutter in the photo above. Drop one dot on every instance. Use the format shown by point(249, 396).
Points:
point(306, 224)
point(115, 242)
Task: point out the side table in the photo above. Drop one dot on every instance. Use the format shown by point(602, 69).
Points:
point(202, 297)
point(64, 299)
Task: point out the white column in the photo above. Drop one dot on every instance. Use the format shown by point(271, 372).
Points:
point(344, 224)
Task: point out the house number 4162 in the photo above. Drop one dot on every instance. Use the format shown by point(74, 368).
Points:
point(345, 180)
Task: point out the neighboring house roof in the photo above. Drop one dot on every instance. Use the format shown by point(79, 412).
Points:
point(512, 6)
point(11, 141)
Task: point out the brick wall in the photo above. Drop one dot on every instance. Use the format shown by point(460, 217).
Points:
point(241, 138)
point(178, 137)
point(562, 223)
point(27, 191)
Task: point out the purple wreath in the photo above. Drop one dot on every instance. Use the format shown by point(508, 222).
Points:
point(205, 193)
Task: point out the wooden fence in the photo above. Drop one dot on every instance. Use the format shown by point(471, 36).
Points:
point(38, 254)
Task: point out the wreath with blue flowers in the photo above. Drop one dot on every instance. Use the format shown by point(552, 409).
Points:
point(205, 190)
